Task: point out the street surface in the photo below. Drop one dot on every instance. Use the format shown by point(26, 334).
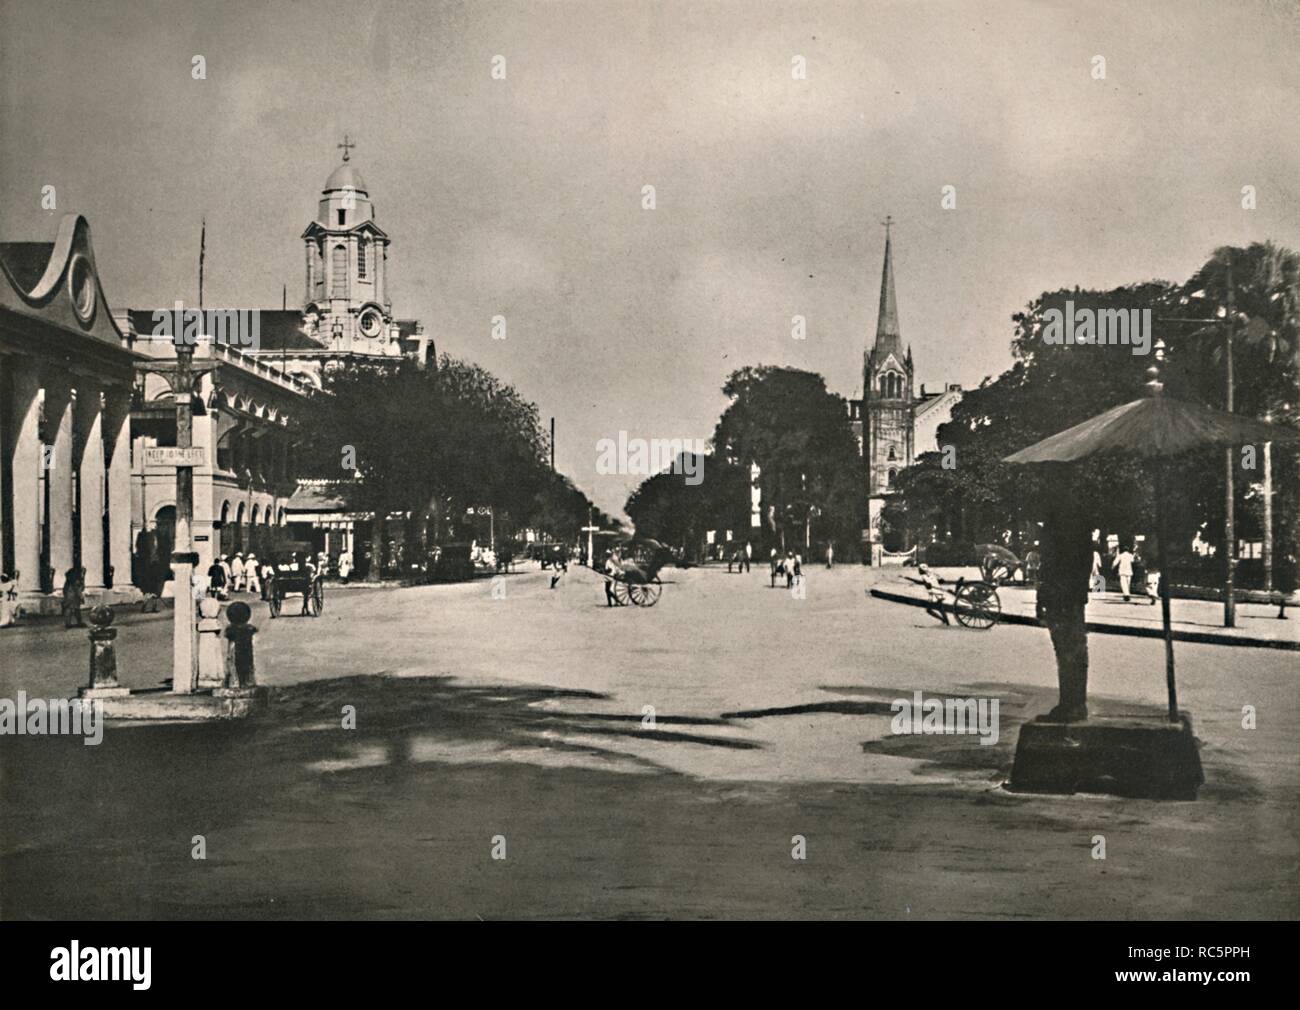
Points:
point(527, 717)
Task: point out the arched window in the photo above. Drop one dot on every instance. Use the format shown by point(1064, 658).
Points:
point(340, 269)
point(884, 385)
point(892, 454)
point(362, 250)
point(892, 475)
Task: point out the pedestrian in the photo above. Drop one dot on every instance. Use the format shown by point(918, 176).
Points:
point(252, 574)
point(228, 572)
point(1032, 561)
point(934, 595)
point(268, 573)
point(8, 600)
point(613, 565)
point(1153, 584)
point(345, 566)
point(1124, 569)
point(74, 589)
point(561, 564)
point(830, 554)
point(1096, 581)
point(1286, 574)
point(237, 573)
point(749, 550)
point(790, 571)
point(217, 579)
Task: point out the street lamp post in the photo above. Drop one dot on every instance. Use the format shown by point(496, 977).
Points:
point(184, 559)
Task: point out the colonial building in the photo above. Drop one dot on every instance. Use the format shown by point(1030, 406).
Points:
point(346, 312)
point(248, 495)
point(894, 423)
point(246, 417)
point(66, 372)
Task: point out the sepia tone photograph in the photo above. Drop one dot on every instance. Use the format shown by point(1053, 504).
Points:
point(656, 460)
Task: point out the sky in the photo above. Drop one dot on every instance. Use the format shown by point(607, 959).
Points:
point(523, 196)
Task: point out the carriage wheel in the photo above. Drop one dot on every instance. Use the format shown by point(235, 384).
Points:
point(621, 594)
point(274, 598)
point(315, 599)
point(977, 606)
point(646, 594)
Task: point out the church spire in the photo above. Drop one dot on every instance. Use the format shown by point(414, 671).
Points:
point(887, 335)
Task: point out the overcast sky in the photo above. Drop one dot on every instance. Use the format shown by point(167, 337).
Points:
point(522, 197)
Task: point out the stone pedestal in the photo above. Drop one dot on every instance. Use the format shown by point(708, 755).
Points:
point(103, 658)
point(212, 658)
point(1138, 756)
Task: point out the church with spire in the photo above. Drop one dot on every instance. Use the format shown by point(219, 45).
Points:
point(894, 421)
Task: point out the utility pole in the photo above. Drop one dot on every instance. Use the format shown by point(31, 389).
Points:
point(184, 559)
point(552, 444)
point(590, 529)
point(1229, 531)
point(1268, 512)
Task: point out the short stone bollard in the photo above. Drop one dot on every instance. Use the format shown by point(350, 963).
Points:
point(103, 656)
point(240, 672)
point(212, 662)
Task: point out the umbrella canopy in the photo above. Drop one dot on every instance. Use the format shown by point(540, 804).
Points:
point(1153, 426)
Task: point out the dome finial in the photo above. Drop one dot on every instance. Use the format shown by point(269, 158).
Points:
point(346, 145)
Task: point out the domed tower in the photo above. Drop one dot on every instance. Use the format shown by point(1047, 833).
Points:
point(888, 403)
point(346, 302)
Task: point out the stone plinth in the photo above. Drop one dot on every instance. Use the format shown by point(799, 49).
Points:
point(1147, 757)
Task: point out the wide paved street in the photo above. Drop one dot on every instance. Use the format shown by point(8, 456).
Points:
point(527, 717)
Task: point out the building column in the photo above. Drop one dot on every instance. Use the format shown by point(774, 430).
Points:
point(26, 469)
point(90, 425)
point(117, 450)
point(58, 479)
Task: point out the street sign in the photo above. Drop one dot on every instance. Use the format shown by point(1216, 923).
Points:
point(173, 456)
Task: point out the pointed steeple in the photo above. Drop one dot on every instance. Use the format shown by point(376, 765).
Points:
point(887, 335)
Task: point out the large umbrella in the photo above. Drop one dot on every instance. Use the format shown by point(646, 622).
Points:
point(1154, 427)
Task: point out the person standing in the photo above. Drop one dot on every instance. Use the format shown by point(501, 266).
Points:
point(830, 554)
point(268, 573)
point(1096, 582)
point(1124, 569)
point(345, 566)
point(8, 600)
point(217, 579)
point(237, 573)
point(74, 589)
point(613, 564)
point(252, 576)
point(749, 550)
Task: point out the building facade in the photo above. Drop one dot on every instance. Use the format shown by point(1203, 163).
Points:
point(247, 417)
point(66, 375)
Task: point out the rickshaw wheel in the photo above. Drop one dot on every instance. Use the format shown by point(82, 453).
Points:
point(274, 599)
point(977, 606)
point(622, 595)
point(646, 594)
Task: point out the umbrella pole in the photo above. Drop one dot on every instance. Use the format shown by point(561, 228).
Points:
point(1162, 554)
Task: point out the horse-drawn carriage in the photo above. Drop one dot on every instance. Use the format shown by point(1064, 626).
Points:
point(290, 580)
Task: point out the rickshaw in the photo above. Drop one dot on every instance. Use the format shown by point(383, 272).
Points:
point(997, 564)
point(638, 582)
point(976, 605)
point(305, 580)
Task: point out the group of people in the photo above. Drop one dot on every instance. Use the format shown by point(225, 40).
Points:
point(1128, 566)
point(250, 574)
point(791, 566)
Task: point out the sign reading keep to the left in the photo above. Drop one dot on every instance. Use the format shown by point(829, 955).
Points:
point(173, 456)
